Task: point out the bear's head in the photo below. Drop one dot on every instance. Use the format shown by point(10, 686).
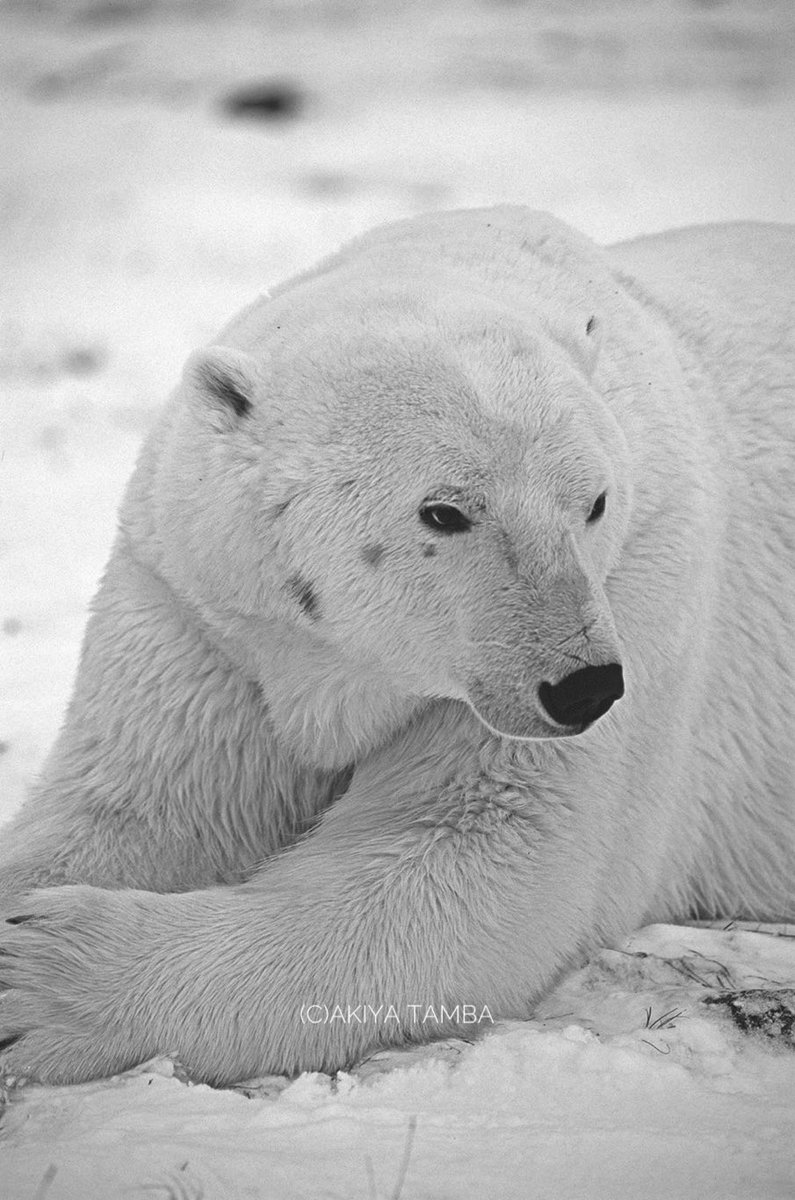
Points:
point(378, 494)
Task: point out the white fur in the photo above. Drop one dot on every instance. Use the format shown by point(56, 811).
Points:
point(282, 655)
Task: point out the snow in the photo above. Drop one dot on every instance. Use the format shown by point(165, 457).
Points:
point(136, 217)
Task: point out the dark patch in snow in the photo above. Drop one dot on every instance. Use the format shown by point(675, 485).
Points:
point(83, 360)
point(112, 12)
point(759, 1010)
point(270, 100)
point(329, 183)
point(52, 438)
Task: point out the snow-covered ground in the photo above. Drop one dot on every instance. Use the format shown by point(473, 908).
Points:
point(583, 1103)
point(137, 215)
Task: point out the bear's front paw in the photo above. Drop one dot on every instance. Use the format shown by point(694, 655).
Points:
point(66, 956)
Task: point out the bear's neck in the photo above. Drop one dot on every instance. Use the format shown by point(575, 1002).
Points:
point(327, 710)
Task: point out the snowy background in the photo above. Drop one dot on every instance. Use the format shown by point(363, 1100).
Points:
point(164, 161)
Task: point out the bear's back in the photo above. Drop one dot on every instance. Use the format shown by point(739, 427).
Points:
point(727, 294)
point(720, 285)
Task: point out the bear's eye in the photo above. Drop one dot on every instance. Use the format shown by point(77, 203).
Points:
point(444, 518)
point(598, 508)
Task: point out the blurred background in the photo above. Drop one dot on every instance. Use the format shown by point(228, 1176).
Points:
point(164, 161)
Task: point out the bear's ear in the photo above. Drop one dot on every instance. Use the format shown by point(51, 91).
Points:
point(584, 341)
point(224, 381)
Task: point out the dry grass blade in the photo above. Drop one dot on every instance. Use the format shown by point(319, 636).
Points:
point(372, 1189)
point(404, 1163)
point(666, 1020)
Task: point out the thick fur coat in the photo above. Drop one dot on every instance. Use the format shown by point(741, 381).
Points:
point(335, 741)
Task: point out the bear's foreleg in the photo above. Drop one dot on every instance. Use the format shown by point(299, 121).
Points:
point(425, 889)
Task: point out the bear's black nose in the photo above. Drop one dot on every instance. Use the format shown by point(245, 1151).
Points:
point(583, 696)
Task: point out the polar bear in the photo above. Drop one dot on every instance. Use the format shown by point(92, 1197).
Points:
point(447, 636)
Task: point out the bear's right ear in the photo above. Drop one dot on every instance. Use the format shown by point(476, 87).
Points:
point(224, 381)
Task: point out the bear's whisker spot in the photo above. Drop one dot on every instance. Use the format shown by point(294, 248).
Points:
point(305, 594)
point(373, 554)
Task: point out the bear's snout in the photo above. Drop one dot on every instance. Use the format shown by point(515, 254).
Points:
point(584, 696)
